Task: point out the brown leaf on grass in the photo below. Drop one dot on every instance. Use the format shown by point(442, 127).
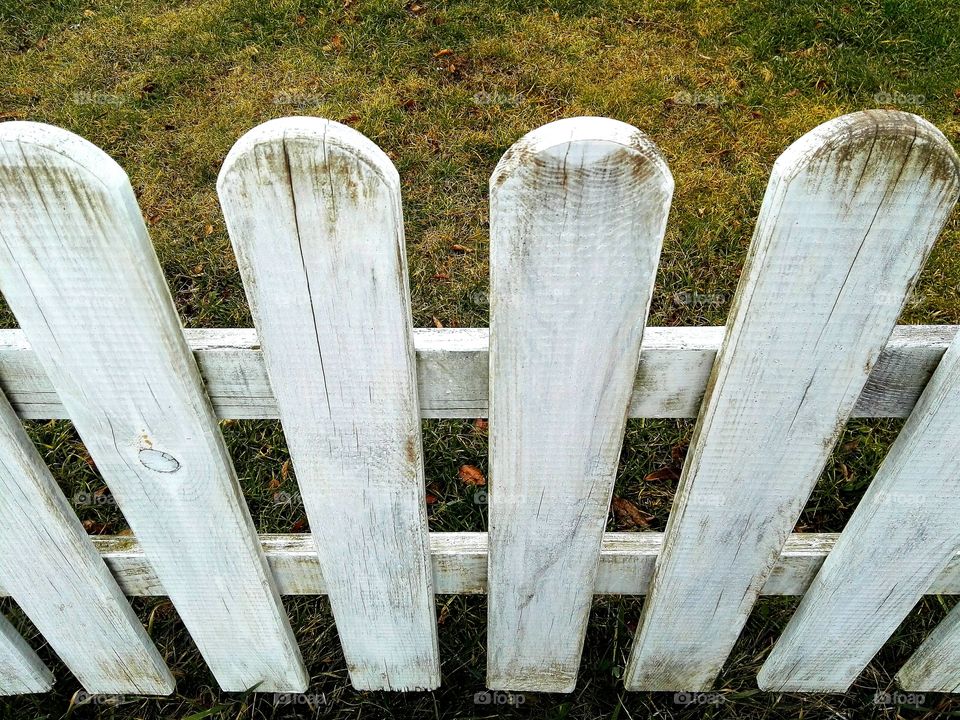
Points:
point(301, 20)
point(285, 469)
point(462, 249)
point(443, 53)
point(299, 525)
point(415, 8)
point(679, 452)
point(274, 483)
point(629, 515)
point(436, 322)
point(471, 475)
point(664, 473)
point(336, 43)
point(481, 425)
point(441, 276)
point(431, 499)
point(95, 528)
point(350, 119)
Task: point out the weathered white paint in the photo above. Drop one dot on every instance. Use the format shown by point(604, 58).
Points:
point(900, 538)
point(935, 666)
point(851, 211)
point(460, 564)
point(578, 210)
point(59, 580)
point(452, 368)
point(313, 210)
point(79, 272)
point(21, 671)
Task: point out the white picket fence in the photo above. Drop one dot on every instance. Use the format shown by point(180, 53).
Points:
point(578, 212)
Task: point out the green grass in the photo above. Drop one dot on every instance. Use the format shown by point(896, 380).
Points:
point(721, 87)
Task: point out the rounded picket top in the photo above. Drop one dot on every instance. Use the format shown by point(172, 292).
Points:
point(40, 158)
point(597, 146)
point(344, 152)
point(863, 145)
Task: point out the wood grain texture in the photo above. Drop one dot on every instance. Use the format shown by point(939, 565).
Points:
point(21, 671)
point(452, 371)
point(313, 211)
point(935, 666)
point(79, 272)
point(460, 564)
point(850, 213)
point(59, 580)
point(578, 210)
point(900, 538)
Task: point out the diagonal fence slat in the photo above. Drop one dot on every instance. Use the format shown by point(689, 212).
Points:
point(60, 581)
point(935, 665)
point(21, 671)
point(578, 210)
point(902, 535)
point(313, 210)
point(79, 272)
point(850, 213)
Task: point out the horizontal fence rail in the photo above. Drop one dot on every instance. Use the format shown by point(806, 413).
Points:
point(459, 561)
point(452, 372)
point(578, 214)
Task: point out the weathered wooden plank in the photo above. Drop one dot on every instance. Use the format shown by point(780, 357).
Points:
point(452, 369)
point(313, 211)
point(935, 665)
point(902, 535)
point(460, 564)
point(578, 210)
point(59, 580)
point(851, 211)
point(21, 671)
point(79, 272)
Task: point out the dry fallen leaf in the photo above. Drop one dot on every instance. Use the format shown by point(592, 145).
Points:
point(274, 483)
point(629, 515)
point(436, 322)
point(285, 469)
point(664, 473)
point(481, 425)
point(443, 53)
point(461, 248)
point(471, 475)
point(299, 525)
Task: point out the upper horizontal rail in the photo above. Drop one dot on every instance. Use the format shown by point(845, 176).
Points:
point(452, 367)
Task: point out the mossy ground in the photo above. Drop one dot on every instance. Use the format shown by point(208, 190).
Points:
point(444, 88)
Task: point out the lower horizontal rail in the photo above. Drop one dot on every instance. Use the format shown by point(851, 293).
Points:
point(460, 564)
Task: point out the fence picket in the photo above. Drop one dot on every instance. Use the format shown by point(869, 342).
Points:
point(21, 671)
point(313, 210)
point(902, 535)
point(935, 665)
point(82, 613)
point(578, 210)
point(79, 272)
point(850, 213)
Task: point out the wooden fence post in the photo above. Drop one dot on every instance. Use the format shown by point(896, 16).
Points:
point(21, 671)
point(850, 213)
point(59, 580)
point(80, 274)
point(578, 210)
point(313, 210)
